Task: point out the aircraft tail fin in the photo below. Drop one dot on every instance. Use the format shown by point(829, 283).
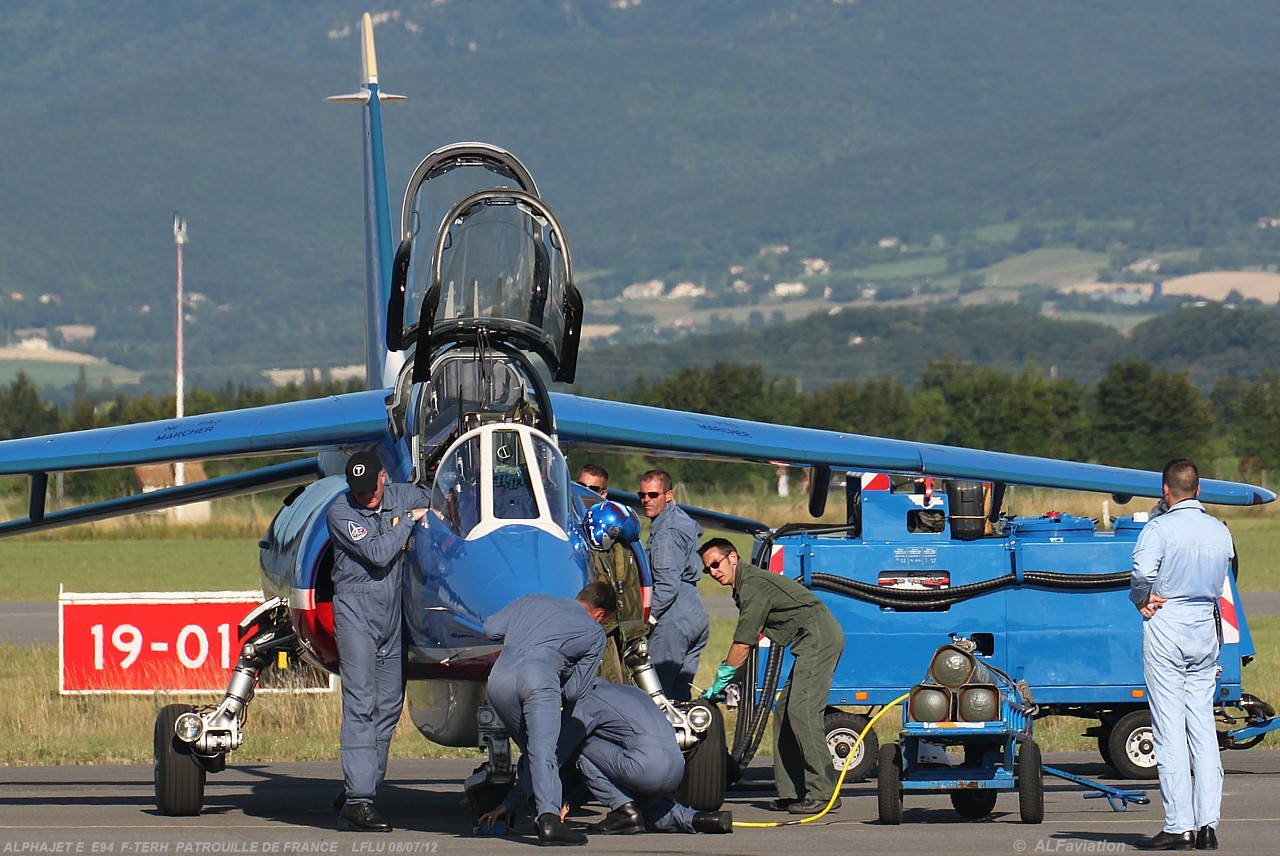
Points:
point(381, 365)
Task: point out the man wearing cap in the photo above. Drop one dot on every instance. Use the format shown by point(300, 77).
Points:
point(371, 527)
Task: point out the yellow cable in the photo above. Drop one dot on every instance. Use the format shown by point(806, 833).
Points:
point(839, 782)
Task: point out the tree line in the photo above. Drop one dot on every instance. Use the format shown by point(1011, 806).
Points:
point(1136, 415)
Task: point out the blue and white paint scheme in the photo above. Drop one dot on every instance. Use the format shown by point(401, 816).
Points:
point(478, 290)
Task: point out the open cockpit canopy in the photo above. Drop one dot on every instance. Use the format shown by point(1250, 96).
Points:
point(497, 270)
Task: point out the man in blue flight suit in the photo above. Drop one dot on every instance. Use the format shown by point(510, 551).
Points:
point(552, 649)
point(371, 527)
point(680, 623)
point(631, 762)
point(1180, 566)
point(628, 756)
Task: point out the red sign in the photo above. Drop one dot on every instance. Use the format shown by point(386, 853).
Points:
point(144, 642)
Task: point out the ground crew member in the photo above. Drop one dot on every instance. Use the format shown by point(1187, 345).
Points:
point(631, 762)
point(788, 614)
point(371, 527)
point(628, 756)
point(680, 623)
point(551, 652)
point(594, 477)
point(1180, 566)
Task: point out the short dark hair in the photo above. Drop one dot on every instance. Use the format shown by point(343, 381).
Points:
point(724, 545)
point(658, 474)
point(599, 595)
point(595, 470)
point(1182, 477)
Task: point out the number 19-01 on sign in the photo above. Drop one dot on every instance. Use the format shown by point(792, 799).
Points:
point(144, 642)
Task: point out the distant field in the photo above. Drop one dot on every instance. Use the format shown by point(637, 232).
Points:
point(1122, 322)
point(58, 375)
point(1047, 267)
point(915, 266)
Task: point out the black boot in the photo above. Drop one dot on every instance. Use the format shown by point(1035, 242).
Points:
point(362, 816)
point(1206, 838)
point(1168, 841)
point(713, 822)
point(552, 831)
point(623, 820)
point(339, 801)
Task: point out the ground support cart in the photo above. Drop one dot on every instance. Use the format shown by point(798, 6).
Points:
point(1000, 755)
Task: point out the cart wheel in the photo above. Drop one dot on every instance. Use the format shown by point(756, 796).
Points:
point(889, 784)
point(1133, 746)
point(973, 804)
point(706, 768)
point(178, 775)
point(842, 730)
point(1030, 783)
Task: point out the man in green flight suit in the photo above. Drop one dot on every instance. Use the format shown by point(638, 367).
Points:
point(788, 614)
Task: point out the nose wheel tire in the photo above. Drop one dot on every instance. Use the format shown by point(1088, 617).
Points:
point(179, 776)
point(706, 768)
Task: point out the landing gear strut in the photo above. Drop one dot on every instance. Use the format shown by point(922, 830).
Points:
point(190, 742)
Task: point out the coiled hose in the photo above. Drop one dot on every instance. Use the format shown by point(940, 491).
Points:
point(835, 794)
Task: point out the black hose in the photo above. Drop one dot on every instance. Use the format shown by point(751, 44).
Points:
point(912, 599)
point(747, 740)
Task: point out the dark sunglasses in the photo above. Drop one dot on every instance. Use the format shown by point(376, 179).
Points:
point(593, 487)
point(650, 494)
point(711, 566)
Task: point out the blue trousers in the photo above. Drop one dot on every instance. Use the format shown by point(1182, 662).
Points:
point(366, 622)
point(1180, 663)
point(525, 692)
point(645, 775)
point(677, 640)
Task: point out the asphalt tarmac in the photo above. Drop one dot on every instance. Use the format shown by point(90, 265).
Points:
point(284, 809)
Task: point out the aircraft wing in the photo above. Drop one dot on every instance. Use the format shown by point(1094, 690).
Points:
point(352, 418)
point(324, 423)
point(617, 426)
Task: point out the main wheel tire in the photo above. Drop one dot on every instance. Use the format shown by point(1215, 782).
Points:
point(973, 804)
point(1132, 746)
point(889, 784)
point(706, 768)
point(179, 775)
point(842, 729)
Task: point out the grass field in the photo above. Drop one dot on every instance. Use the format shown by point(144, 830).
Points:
point(37, 726)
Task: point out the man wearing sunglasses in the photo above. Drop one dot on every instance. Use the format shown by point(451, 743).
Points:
point(594, 477)
point(680, 623)
point(788, 614)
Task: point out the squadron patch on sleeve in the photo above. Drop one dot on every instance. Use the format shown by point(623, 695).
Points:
point(356, 531)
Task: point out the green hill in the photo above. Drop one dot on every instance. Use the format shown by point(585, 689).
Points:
point(672, 138)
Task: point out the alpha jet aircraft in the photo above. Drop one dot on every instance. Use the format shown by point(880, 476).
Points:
point(479, 292)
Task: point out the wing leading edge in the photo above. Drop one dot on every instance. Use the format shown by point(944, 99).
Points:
point(618, 426)
point(339, 420)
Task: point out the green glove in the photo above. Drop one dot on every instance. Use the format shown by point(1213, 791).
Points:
point(724, 675)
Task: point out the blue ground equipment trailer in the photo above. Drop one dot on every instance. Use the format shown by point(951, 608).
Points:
point(1044, 599)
